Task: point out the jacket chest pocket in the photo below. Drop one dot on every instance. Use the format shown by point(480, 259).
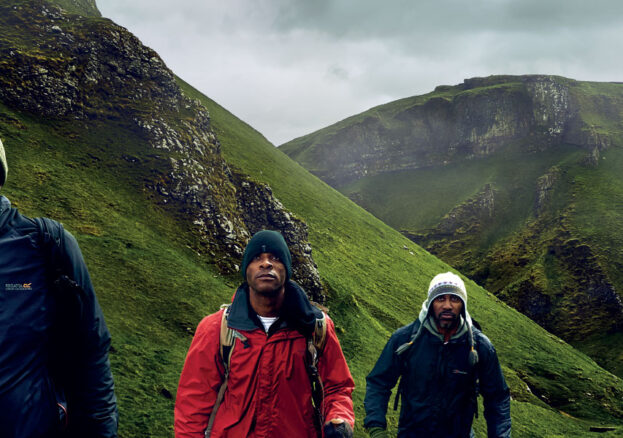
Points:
point(284, 357)
point(457, 374)
point(26, 310)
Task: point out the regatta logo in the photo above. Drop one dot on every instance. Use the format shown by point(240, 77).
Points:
point(18, 287)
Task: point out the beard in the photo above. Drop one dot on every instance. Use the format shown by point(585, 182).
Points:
point(444, 322)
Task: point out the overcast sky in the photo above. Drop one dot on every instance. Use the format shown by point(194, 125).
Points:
point(290, 67)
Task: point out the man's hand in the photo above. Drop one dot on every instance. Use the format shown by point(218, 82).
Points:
point(377, 432)
point(337, 428)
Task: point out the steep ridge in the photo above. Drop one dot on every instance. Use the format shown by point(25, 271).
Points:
point(491, 175)
point(111, 169)
point(471, 120)
point(90, 70)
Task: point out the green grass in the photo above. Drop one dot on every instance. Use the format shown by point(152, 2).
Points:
point(87, 8)
point(413, 200)
point(377, 285)
point(598, 215)
point(154, 288)
point(585, 203)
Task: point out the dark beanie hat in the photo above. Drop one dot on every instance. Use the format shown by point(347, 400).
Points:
point(267, 241)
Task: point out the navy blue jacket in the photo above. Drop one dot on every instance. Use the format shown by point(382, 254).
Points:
point(34, 398)
point(437, 386)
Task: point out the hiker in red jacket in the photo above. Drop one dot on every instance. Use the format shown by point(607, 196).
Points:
point(268, 390)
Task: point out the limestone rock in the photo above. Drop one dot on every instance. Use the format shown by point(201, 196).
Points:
point(91, 69)
point(472, 120)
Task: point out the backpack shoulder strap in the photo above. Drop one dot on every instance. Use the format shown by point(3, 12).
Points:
point(67, 296)
point(226, 339)
point(70, 296)
point(400, 351)
point(315, 346)
point(319, 337)
point(473, 363)
point(227, 342)
point(50, 234)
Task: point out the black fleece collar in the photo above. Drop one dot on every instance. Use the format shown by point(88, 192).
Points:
point(6, 212)
point(297, 312)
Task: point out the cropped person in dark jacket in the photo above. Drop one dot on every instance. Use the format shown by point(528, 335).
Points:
point(55, 378)
point(442, 360)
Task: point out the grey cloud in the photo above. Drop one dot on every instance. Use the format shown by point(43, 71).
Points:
point(357, 18)
point(289, 67)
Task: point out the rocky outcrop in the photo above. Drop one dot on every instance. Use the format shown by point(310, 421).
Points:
point(567, 291)
point(544, 186)
point(543, 271)
point(551, 104)
point(475, 212)
point(79, 68)
point(459, 225)
point(599, 294)
point(468, 121)
point(259, 210)
point(89, 70)
point(87, 8)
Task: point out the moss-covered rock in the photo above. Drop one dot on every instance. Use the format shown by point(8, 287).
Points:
point(63, 66)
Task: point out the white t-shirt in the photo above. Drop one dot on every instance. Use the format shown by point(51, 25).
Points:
point(267, 321)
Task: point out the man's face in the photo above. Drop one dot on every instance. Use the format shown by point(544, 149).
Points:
point(266, 274)
point(447, 309)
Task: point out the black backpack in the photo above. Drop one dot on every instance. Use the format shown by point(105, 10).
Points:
point(69, 299)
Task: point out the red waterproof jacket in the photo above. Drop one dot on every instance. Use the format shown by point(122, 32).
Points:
point(269, 391)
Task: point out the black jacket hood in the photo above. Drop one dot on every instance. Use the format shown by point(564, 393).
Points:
point(6, 212)
point(297, 312)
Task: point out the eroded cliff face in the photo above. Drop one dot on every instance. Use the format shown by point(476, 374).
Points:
point(564, 288)
point(515, 234)
point(545, 269)
point(90, 70)
point(471, 120)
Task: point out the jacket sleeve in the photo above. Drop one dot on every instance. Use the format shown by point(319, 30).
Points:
point(200, 380)
point(336, 379)
point(90, 393)
point(495, 392)
point(379, 385)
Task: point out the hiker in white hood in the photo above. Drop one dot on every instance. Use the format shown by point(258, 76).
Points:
point(443, 362)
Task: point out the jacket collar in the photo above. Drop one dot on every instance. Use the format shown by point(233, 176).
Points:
point(6, 212)
point(432, 328)
point(297, 311)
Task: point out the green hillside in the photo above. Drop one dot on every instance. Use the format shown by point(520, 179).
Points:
point(378, 285)
point(94, 173)
point(513, 180)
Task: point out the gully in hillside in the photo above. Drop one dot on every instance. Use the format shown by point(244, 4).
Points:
point(270, 364)
point(55, 378)
point(442, 361)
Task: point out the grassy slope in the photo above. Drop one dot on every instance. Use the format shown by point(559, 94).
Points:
point(86, 8)
point(153, 289)
point(415, 200)
point(150, 285)
point(425, 195)
point(377, 286)
point(304, 149)
point(598, 215)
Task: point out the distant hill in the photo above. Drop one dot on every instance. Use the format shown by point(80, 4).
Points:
point(162, 186)
point(514, 180)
